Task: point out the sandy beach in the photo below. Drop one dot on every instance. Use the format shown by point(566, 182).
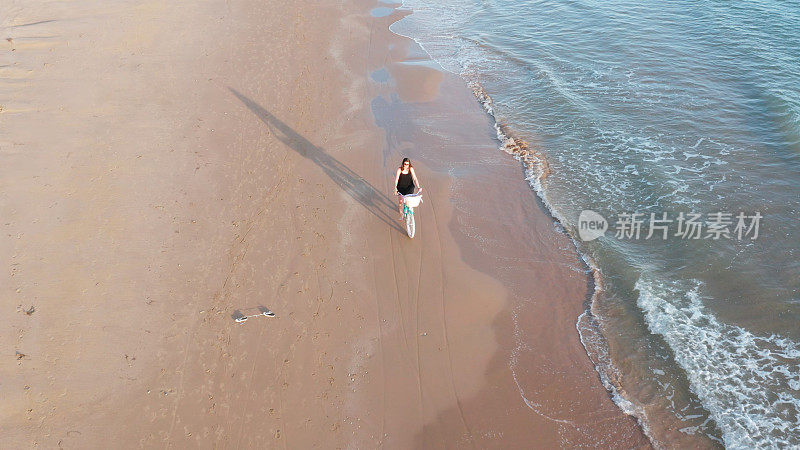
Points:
point(169, 167)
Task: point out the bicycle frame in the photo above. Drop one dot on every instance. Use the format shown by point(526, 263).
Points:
point(408, 217)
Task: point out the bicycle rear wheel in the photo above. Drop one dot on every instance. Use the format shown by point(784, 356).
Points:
point(410, 223)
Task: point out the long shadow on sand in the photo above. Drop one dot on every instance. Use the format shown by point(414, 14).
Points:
point(356, 187)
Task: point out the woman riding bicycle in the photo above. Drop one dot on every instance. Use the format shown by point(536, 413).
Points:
point(404, 182)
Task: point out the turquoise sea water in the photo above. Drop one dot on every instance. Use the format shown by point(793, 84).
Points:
point(660, 107)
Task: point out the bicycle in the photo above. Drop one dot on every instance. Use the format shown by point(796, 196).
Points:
point(410, 202)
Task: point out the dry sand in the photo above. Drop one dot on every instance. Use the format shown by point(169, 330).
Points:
point(169, 166)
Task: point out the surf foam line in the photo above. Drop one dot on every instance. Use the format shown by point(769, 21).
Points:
point(737, 404)
point(588, 325)
point(537, 169)
point(749, 384)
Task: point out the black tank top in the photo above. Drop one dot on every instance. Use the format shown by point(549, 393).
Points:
point(405, 184)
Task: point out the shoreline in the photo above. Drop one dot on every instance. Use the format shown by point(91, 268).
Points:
point(590, 325)
point(535, 171)
point(233, 174)
point(534, 166)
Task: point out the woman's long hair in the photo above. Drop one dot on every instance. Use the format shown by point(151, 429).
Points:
point(405, 160)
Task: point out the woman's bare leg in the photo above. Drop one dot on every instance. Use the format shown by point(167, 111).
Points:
point(400, 205)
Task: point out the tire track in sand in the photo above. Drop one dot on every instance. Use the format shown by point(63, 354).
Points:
point(444, 329)
point(415, 296)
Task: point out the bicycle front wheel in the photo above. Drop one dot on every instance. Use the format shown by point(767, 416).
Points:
point(410, 224)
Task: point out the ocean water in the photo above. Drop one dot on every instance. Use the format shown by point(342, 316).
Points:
point(625, 107)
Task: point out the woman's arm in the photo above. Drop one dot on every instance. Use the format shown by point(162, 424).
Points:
point(414, 177)
point(396, 179)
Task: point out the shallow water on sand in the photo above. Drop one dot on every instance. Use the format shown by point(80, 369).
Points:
point(645, 107)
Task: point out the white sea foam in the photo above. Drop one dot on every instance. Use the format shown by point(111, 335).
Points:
point(597, 348)
point(536, 171)
point(749, 384)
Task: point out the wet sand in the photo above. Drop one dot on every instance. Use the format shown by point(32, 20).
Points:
point(168, 168)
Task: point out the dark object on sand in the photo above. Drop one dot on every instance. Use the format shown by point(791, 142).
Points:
point(241, 318)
